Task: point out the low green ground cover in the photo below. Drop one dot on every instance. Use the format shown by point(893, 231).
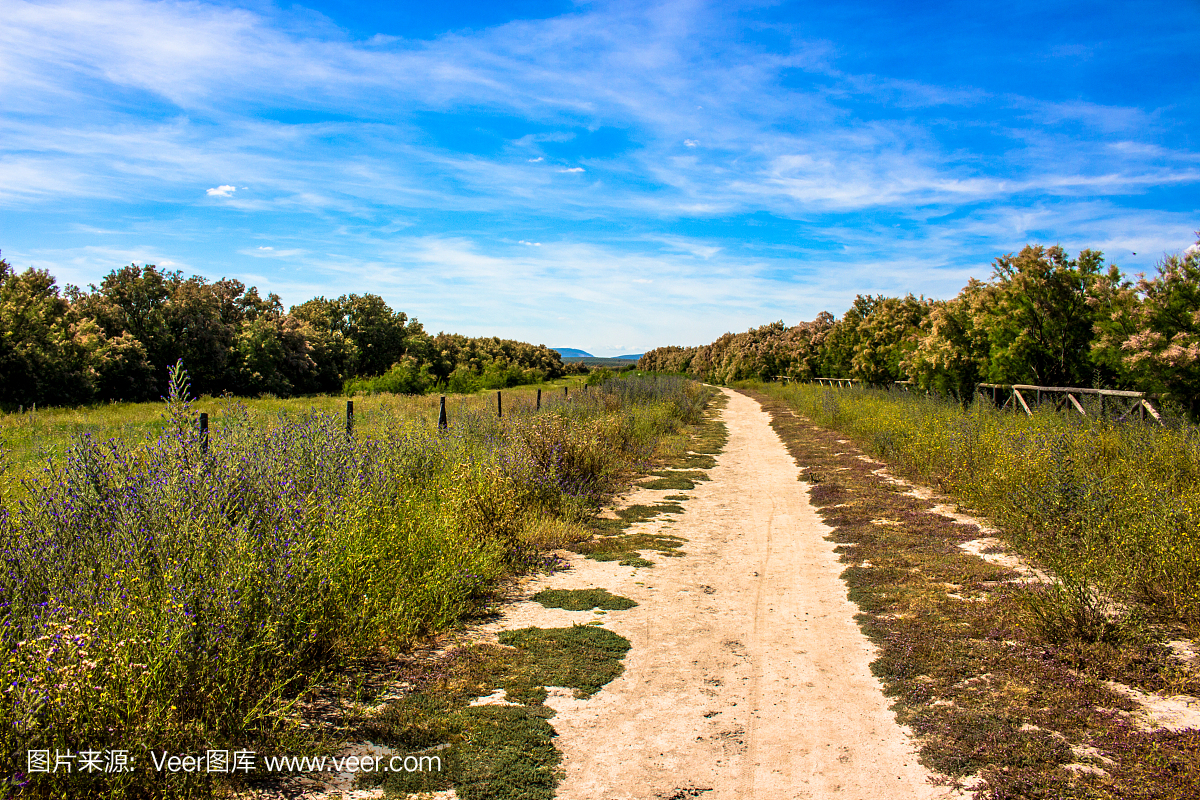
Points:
point(680, 455)
point(156, 595)
point(495, 752)
point(582, 599)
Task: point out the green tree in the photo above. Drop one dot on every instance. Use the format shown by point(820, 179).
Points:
point(381, 336)
point(1040, 325)
point(952, 348)
point(887, 337)
point(134, 300)
point(843, 339)
point(1159, 330)
point(274, 356)
point(44, 356)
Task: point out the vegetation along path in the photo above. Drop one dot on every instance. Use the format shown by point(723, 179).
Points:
point(747, 676)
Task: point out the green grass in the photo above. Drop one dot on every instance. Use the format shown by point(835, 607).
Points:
point(681, 454)
point(674, 479)
point(610, 543)
point(582, 599)
point(29, 440)
point(494, 752)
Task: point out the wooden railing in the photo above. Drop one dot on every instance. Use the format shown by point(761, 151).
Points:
point(1026, 397)
point(1018, 396)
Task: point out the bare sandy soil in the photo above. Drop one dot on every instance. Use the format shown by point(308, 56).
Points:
point(748, 677)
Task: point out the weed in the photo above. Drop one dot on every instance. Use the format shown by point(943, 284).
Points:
point(582, 599)
point(495, 752)
point(672, 482)
point(631, 515)
point(683, 479)
point(692, 461)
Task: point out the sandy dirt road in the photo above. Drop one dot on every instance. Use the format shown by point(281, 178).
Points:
point(748, 677)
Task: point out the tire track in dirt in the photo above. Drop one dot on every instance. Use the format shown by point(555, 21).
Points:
point(748, 677)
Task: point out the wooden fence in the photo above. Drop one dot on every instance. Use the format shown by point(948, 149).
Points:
point(1026, 397)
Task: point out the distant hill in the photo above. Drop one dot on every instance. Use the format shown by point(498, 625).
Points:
point(631, 358)
point(597, 361)
point(571, 352)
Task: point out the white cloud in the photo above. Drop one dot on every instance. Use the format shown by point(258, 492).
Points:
point(627, 67)
point(266, 248)
point(806, 155)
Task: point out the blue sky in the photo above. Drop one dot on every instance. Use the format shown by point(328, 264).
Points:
point(610, 176)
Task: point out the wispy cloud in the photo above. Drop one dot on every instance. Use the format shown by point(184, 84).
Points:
point(796, 147)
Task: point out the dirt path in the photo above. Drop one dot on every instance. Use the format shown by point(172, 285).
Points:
point(748, 677)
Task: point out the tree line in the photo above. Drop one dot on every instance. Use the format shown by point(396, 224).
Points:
point(116, 341)
point(1042, 318)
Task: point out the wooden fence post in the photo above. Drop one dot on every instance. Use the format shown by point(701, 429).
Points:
point(499, 406)
point(442, 423)
point(349, 418)
point(539, 401)
point(203, 432)
point(565, 391)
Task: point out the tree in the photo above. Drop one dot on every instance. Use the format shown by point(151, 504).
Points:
point(1161, 348)
point(1039, 326)
point(381, 336)
point(274, 356)
point(886, 337)
point(952, 348)
point(43, 354)
point(133, 299)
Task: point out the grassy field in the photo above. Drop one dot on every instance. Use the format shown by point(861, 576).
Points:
point(157, 596)
point(29, 439)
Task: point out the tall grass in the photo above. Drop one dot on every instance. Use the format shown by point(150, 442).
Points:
point(28, 440)
point(158, 596)
point(1116, 505)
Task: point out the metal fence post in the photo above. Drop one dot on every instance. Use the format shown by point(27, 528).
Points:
point(499, 405)
point(539, 401)
point(442, 414)
point(349, 418)
point(203, 432)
